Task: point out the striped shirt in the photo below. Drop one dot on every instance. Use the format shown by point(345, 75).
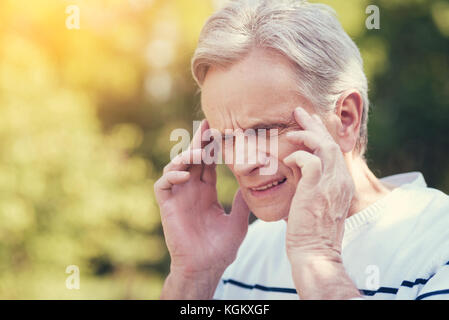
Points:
point(397, 248)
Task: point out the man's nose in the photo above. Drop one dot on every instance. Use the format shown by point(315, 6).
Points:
point(249, 156)
point(245, 169)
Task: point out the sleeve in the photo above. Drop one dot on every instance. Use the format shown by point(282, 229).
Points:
point(437, 287)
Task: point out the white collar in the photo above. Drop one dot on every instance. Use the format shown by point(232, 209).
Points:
point(371, 212)
point(414, 177)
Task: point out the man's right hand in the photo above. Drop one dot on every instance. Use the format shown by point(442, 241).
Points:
point(201, 238)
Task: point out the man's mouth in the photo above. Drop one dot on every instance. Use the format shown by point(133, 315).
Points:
point(271, 186)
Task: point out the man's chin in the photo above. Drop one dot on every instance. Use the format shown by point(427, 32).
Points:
point(270, 215)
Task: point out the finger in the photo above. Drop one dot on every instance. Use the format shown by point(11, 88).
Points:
point(310, 165)
point(197, 142)
point(240, 211)
point(308, 138)
point(303, 118)
point(212, 155)
point(209, 174)
point(320, 147)
point(184, 160)
point(310, 122)
point(162, 187)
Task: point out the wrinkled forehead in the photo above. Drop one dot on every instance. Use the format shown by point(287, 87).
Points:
point(249, 105)
point(258, 89)
point(275, 111)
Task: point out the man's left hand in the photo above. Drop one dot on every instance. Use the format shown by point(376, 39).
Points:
point(319, 207)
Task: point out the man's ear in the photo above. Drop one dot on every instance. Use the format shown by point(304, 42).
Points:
point(349, 109)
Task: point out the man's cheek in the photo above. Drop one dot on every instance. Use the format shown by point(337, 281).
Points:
point(271, 169)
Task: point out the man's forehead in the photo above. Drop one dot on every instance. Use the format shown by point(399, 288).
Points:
point(268, 121)
point(251, 111)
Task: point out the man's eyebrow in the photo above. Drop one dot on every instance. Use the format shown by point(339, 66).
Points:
point(282, 123)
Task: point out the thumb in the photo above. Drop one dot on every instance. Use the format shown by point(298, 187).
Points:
point(240, 210)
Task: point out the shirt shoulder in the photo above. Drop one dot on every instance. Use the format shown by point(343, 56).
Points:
point(431, 222)
point(428, 207)
point(408, 245)
point(407, 240)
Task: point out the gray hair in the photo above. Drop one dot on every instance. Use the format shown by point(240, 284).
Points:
point(327, 62)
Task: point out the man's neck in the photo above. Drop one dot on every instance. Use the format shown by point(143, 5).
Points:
point(368, 188)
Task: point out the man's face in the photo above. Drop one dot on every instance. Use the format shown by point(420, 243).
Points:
point(258, 92)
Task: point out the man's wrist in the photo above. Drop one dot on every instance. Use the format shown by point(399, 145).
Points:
point(180, 284)
point(308, 254)
point(322, 277)
point(305, 246)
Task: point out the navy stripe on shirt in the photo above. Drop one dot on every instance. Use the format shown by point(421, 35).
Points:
point(388, 290)
point(258, 286)
point(380, 290)
point(433, 293)
point(362, 291)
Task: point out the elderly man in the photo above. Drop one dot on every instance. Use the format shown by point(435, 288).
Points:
point(327, 227)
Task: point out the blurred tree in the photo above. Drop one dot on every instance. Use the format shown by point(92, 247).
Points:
point(407, 65)
point(71, 194)
point(409, 121)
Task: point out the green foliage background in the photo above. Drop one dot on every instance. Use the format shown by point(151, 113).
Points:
point(85, 118)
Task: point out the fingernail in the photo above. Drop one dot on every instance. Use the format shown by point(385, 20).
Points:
point(176, 160)
point(286, 160)
point(299, 110)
